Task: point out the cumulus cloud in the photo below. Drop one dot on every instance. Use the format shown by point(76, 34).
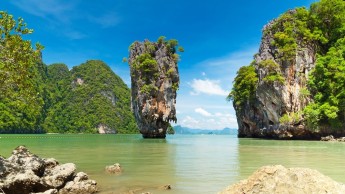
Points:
point(207, 86)
point(203, 112)
point(214, 122)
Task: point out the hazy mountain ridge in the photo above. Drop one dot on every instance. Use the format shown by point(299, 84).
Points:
point(185, 130)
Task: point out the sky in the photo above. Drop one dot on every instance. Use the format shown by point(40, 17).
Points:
point(218, 36)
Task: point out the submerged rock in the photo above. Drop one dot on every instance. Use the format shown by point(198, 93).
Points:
point(278, 179)
point(155, 80)
point(114, 169)
point(26, 173)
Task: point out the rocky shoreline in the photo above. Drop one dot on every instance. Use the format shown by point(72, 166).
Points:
point(26, 173)
point(278, 179)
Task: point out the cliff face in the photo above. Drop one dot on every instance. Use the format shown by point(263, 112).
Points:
point(294, 89)
point(155, 79)
point(280, 90)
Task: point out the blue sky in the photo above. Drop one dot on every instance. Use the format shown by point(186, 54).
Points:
point(218, 36)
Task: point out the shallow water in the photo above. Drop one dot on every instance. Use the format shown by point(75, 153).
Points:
point(189, 163)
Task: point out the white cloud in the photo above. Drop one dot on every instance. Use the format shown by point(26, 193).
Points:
point(207, 86)
point(203, 112)
point(203, 74)
point(216, 123)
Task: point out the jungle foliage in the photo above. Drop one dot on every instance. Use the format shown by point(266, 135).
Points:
point(35, 98)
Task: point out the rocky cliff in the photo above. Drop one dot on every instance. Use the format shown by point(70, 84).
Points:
point(278, 90)
point(155, 80)
point(274, 97)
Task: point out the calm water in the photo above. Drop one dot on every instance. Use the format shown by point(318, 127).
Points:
point(190, 163)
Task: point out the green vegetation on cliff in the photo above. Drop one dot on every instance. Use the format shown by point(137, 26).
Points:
point(327, 84)
point(35, 98)
point(147, 65)
point(244, 85)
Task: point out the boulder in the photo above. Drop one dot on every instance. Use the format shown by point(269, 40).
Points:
point(80, 185)
point(114, 169)
point(59, 175)
point(278, 179)
point(26, 173)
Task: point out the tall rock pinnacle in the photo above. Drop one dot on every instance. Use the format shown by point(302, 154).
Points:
point(155, 80)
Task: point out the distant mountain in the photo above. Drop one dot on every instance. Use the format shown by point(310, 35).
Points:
point(185, 130)
point(90, 98)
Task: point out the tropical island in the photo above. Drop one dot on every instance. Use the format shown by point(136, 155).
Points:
point(292, 90)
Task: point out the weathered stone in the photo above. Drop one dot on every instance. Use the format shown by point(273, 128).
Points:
point(23, 182)
point(25, 173)
point(22, 157)
point(59, 175)
point(154, 83)
point(328, 138)
point(114, 169)
point(278, 179)
point(80, 185)
point(331, 138)
point(50, 163)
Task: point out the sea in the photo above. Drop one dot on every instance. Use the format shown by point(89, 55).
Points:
point(190, 164)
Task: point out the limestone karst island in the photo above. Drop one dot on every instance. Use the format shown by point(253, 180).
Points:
point(133, 97)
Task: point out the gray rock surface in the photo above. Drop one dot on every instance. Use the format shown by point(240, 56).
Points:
point(272, 100)
point(154, 85)
point(80, 185)
point(25, 173)
point(278, 179)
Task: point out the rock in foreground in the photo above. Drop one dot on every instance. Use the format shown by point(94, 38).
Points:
point(154, 82)
point(278, 179)
point(26, 173)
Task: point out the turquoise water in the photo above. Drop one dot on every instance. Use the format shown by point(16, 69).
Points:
point(189, 163)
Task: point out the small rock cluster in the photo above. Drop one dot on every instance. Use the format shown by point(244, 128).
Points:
point(26, 173)
point(331, 138)
point(114, 169)
point(278, 179)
